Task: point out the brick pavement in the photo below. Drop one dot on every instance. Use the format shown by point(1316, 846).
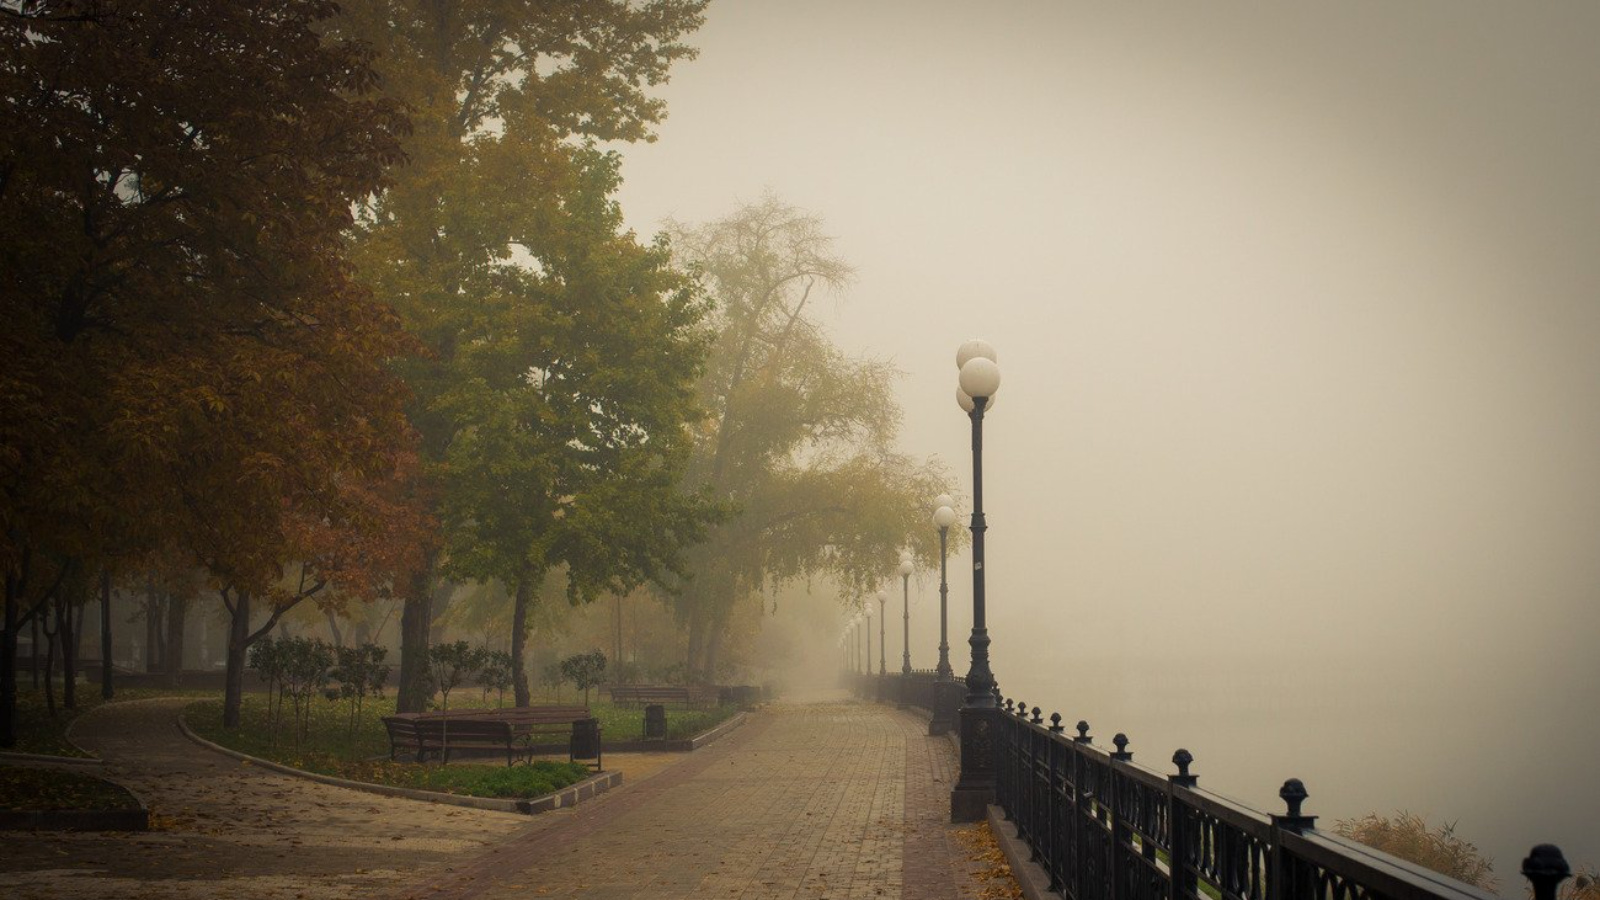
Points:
point(825, 800)
point(830, 799)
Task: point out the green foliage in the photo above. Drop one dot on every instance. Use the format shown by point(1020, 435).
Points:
point(1411, 838)
point(496, 675)
point(30, 789)
point(561, 352)
point(584, 670)
point(330, 751)
point(450, 664)
point(799, 435)
point(296, 669)
point(360, 672)
point(543, 776)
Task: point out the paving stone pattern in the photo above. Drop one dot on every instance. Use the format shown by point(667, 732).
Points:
point(830, 799)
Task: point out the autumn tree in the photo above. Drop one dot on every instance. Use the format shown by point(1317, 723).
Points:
point(798, 440)
point(186, 366)
point(500, 247)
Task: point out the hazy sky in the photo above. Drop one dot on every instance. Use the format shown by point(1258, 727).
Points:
point(1298, 313)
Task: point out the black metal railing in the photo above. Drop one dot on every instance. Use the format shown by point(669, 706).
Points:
point(1104, 828)
point(922, 689)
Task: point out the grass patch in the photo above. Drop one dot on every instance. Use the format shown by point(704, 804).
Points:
point(542, 777)
point(28, 789)
point(332, 747)
point(39, 732)
point(626, 723)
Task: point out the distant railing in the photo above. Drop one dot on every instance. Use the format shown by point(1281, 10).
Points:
point(1105, 828)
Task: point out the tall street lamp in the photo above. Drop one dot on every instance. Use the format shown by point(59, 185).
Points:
point(868, 614)
point(979, 380)
point(906, 568)
point(944, 515)
point(883, 669)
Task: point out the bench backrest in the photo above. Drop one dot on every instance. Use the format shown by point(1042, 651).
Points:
point(465, 729)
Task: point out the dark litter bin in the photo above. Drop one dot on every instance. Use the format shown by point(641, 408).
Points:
point(655, 722)
point(585, 742)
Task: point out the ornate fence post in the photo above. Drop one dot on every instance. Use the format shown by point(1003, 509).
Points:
point(1290, 879)
point(1038, 786)
point(1060, 805)
point(1545, 868)
point(1080, 815)
point(1115, 878)
point(1179, 828)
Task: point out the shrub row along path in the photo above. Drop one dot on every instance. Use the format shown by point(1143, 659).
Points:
point(821, 799)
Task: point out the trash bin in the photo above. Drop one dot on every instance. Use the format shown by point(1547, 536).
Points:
point(655, 722)
point(585, 742)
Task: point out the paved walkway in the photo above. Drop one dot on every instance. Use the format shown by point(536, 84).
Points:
point(816, 800)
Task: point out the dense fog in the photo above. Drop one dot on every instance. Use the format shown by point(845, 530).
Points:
point(1293, 463)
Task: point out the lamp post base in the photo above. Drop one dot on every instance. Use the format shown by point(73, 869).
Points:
point(974, 791)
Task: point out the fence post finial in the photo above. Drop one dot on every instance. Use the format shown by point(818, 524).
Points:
point(1083, 733)
point(1121, 740)
point(1546, 868)
point(1182, 759)
point(1294, 793)
point(1036, 719)
point(1055, 723)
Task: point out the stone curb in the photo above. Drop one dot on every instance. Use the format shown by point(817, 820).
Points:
point(76, 820)
point(1030, 876)
point(679, 746)
point(567, 796)
point(11, 756)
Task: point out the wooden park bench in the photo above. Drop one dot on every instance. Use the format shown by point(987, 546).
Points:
point(641, 694)
point(445, 734)
point(515, 730)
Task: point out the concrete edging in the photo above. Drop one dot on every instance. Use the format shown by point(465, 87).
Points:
point(717, 732)
point(567, 796)
point(13, 756)
point(76, 819)
point(1030, 876)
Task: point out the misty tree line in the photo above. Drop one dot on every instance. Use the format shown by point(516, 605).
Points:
point(350, 313)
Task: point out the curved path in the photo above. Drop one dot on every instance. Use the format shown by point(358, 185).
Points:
point(828, 799)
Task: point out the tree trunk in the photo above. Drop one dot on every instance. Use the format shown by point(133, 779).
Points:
point(8, 668)
point(697, 637)
point(333, 628)
point(411, 695)
point(77, 623)
point(152, 627)
point(713, 649)
point(519, 640)
point(177, 612)
point(238, 642)
point(69, 646)
point(33, 650)
point(105, 634)
point(49, 661)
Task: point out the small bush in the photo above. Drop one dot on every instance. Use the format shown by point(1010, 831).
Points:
point(1584, 885)
point(1409, 837)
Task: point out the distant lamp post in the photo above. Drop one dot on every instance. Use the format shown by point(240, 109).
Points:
point(979, 380)
point(944, 515)
point(868, 615)
point(906, 568)
point(883, 668)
